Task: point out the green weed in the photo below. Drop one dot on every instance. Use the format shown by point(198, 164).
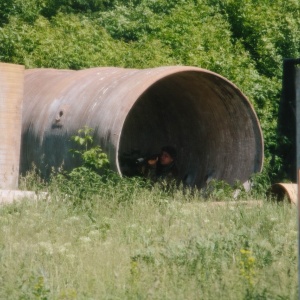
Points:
point(128, 241)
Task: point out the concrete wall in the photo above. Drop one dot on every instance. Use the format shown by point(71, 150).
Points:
point(11, 99)
point(297, 84)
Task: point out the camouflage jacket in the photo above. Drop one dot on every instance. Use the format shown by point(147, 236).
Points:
point(158, 172)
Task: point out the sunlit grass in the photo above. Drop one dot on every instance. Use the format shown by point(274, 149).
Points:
point(149, 246)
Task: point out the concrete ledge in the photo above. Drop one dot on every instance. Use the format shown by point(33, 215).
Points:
point(10, 196)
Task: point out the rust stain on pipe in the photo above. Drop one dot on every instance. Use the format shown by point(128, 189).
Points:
point(206, 117)
point(11, 99)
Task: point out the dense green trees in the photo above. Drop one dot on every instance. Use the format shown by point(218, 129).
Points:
point(244, 41)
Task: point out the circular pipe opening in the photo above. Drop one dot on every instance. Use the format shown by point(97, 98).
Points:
point(281, 191)
point(208, 120)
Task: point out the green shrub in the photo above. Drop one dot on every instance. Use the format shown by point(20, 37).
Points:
point(91, 156)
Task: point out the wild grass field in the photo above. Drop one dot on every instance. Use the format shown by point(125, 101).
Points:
point(129, 241)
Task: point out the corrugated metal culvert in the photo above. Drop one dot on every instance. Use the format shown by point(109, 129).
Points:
point(205, 116)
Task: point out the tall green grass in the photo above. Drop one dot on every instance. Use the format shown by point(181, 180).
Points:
point(133, 241)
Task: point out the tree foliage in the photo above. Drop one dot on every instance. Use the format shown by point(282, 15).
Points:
point(245, 41)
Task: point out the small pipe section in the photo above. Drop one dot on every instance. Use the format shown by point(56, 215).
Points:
point(280, 191)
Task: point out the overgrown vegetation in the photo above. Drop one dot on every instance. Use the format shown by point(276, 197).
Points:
point(245, 41)
point(94, 175)
point(100, 236)
point(128, 241)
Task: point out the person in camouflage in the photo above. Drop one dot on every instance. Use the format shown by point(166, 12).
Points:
point(163, 167)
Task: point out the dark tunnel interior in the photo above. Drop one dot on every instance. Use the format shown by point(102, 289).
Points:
point(207, 120)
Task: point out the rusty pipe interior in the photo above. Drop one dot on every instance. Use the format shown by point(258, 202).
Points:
point(205, 116)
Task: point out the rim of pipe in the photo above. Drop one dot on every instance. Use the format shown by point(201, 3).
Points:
point(163, 73)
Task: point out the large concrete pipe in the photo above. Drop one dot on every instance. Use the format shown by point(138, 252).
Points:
point(11, 99)
point(205, 116)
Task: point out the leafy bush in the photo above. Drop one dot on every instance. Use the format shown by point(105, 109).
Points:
point(86, 180)
point(92, 157)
